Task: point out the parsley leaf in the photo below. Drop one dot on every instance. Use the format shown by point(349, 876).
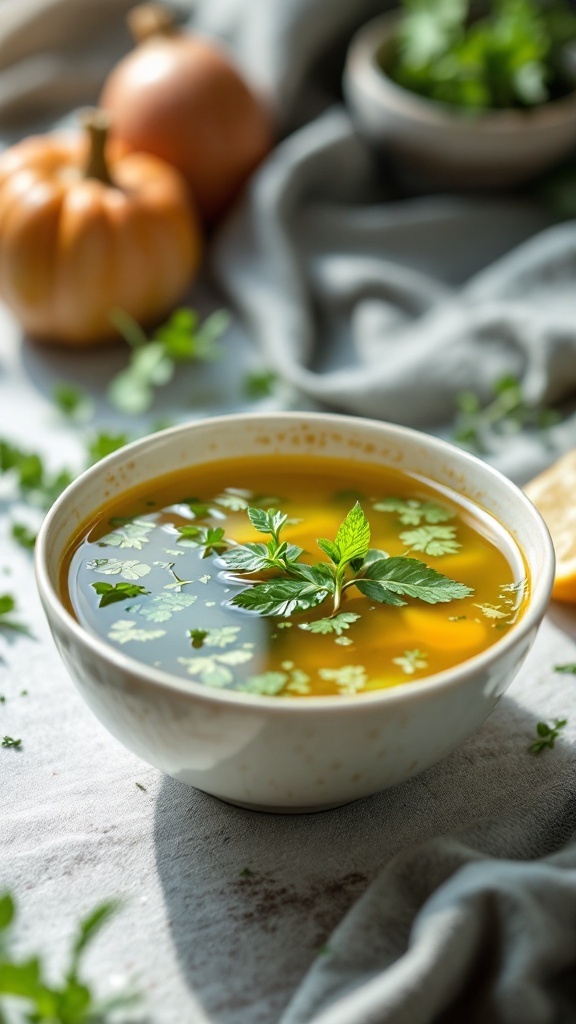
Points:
point(110, 593)
point(72, 402)
point(432, 540)
point(338, 624)
point(9, 741)
point(412, 512)
point(569, 668)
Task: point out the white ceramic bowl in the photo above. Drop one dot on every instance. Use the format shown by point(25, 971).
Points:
point(305, 753)
point(439, 145)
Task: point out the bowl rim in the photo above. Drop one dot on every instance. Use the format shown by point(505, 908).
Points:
point(361, 60)
point(158, 679)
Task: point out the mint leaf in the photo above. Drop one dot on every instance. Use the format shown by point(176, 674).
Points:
point(248, 558)
point(432, 540)
point(389, 577)
point(280, 597)
point(267, 520)
point(110, 593)
point(353, 537)
point(329, 548)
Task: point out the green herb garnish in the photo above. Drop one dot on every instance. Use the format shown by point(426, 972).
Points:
point(481, 56)
point(9, 741)
point(569, 668)
point(26, 980)
point(110, 593)
point(299, 587)
point(547, 735)
point(182, 339)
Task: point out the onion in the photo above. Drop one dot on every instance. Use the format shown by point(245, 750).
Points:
point(180, 97)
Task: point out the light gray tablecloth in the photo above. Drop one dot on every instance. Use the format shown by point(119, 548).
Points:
point(451, 898)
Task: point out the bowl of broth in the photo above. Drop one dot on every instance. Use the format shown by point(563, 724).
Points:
point(292, 611)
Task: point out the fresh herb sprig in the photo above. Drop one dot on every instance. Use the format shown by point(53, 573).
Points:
point(480, 55)
point(509, 412)
point(24, 981)
point(298, 586)
point(153, 362)
point(547, 735)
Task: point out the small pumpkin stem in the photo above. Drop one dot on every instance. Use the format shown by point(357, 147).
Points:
point(97, 124)
point(148, 20)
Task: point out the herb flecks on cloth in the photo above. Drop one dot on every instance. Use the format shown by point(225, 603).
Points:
point(298, 586)
point(547, 735)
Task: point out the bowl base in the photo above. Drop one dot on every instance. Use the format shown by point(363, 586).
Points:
point(272, 809)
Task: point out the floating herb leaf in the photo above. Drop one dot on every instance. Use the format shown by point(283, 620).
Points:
point(129, 570)
point(410, 661)
point(412, 512)
point(214, 670)
point(348, 678)
point(217, 637)
point(432, 540)
point(337, 624)
point(110, 593)
point(126, 630)
point(163, 606)
point(131, 533)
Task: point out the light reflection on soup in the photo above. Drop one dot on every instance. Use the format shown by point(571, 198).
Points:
point(151, 575)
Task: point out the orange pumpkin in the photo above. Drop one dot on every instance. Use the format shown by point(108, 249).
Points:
point(82, 235)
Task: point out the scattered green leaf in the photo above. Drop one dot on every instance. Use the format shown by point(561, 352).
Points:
point(507, 413)
point(260, 384)
point(569, 668)
point(9, 741)
point(547, 735)
point(72, 402)
point(23, 536)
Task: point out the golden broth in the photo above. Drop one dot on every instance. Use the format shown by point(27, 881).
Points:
point(174, 612)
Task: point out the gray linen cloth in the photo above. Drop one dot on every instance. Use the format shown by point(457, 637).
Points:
point(380, 305)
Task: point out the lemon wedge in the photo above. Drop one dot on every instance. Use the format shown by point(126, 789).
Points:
point(553, 492)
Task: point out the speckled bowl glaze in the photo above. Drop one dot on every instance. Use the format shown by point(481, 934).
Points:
point(305, 753)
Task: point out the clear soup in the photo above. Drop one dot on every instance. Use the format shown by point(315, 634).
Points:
point(185, 576)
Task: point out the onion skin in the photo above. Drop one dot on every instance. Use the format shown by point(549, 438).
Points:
point(180, 97)
point(74, 247)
